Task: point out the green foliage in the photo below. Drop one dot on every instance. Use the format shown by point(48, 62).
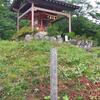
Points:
point(25, 30)
point(24, 23)
point(47, 98)
point(98, 36)
point(8, 34)
point(71, 34)
point(65, 97)
point(82, 25)
point(7, 21)
point(34, 31)
point(62, 25)
point(79, 98)
point(53, 30)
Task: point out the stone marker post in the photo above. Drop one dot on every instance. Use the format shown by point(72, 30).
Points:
point(53, 75)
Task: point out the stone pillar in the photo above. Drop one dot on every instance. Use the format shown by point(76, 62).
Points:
point(53, 75)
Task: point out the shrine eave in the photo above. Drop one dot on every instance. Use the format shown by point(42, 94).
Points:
point(48, 4)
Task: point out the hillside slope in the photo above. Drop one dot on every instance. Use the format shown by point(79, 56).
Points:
point(25, 65)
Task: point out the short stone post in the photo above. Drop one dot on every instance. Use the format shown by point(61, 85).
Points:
point(53, 75)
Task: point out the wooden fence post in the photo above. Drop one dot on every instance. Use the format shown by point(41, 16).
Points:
point(53, 75)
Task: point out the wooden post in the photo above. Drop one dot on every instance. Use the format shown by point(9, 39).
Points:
point(70, 30)
point(53, 75)
point(18, 20)
point(32, 19)
point(41, 25)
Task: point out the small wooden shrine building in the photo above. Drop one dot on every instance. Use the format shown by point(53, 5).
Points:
point(42, 13)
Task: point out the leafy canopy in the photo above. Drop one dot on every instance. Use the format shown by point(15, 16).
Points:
point(7, 20)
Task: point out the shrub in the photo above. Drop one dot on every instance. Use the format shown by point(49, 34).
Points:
point(25, 30)
point(98, 37)
point(34, 31)
point(24, 23)
point(71, 34)
point(84, 37)
point(78, 37)
point(8, 34)
point(53, 30)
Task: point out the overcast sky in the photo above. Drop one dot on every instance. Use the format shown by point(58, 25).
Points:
point(94, 4)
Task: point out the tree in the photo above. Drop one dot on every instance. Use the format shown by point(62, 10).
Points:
point(7, 20)
point(83, 26)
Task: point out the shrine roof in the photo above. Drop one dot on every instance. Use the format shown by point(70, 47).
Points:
point(57, 5)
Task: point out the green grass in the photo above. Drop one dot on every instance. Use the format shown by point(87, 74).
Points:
point(24, 64)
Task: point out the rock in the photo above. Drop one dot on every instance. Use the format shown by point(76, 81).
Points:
point(40, 35)
point(82, 43)
point(28, 38)
point(52, 39)
point(78, 42)
point(60, 40)
point(36, 37)
point(46, 37)
point(73, 41)
point(58, 36)
point(86, 44)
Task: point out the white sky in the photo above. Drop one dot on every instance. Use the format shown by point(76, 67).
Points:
point(94, 4)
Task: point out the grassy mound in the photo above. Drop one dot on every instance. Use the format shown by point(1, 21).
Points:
point(23, 65)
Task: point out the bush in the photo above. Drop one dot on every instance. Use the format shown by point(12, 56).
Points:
point(8, 34)
point(53, 30)
point(71, 34)
point(98, 38)
point(25, 30)
point(24, 23)
point(84, 37)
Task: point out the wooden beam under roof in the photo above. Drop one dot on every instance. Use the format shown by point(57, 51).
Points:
point(51, 11)
point(25, 13)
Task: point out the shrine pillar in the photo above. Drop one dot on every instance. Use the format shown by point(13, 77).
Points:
point(70, 28)
point(32, 15)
